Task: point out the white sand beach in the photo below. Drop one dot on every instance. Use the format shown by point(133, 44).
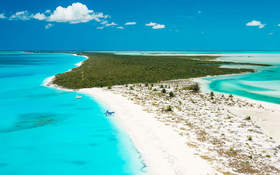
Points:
point(201, 135)
point(163, 150)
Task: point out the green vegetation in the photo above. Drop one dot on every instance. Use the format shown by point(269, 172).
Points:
point(194, 87)
point(248, 118)
point(212, 95)
point(171, 94)
point(108, 70)
point(163, 91)
point(168, 109)
point(250, 138)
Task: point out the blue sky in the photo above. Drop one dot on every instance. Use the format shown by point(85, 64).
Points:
point(140, 25)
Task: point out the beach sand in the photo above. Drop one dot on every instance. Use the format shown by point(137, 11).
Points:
point(201, 135)
point(163, 150)
point(267, 116)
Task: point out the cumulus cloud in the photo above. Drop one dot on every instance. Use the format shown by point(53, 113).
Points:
point(130, 23)
point(39, 16)
point(2, 16)
point(120, 27)
point(75, 13)
point(48, 26)
point(22, 15)
point(255, 23)
point(156, 25)
point(72, 14)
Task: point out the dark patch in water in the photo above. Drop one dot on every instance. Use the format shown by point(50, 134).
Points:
point(84, 108)
point(98, 135)
point(112, 139)
point(25, 147)
point(94, 144)
point(32, 120)
point(3, 164)
point(78, 162)
point(44, 95)
point(15, 75)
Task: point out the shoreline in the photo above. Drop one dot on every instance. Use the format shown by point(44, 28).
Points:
point(161, 154)
point(267, 120)
point(164, 155)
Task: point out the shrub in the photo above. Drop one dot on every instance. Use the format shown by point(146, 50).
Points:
point(195, 87)
point(230, 96)
point(171, 94)
point(250, 138)
point(146, 84)
point(168, 109)
point(212, 95)
point(109, 87)
point(131, 88)
point(163, 91)
point(248, 118)
point(161, 86)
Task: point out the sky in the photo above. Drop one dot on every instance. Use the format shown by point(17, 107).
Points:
point(139, 25)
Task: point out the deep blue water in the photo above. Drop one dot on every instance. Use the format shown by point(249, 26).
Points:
point(263, 85)
point(47, 131)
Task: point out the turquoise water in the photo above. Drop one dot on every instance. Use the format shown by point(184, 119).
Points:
point(47, 131)
point(263, 85)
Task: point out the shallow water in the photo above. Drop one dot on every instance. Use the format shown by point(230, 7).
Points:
point(263, 85)
point(47, 131)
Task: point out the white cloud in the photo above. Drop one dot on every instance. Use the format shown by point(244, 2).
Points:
point(40, 16)
point(159, 26)
point(156, 25)
point(48, 26)
point(75, 13)
point(130, 23)
point(2, 16)
point(48, 11)
point(151, 24)
point(110, 24)
point(255, 23)
point(199, 11)
point(104, 22)
point(120, 27)
point(278, 25)
point(22, 15)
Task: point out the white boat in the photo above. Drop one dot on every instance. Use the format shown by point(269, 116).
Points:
point(78, 97)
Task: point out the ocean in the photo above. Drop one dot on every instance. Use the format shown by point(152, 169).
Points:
point(48, 131)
